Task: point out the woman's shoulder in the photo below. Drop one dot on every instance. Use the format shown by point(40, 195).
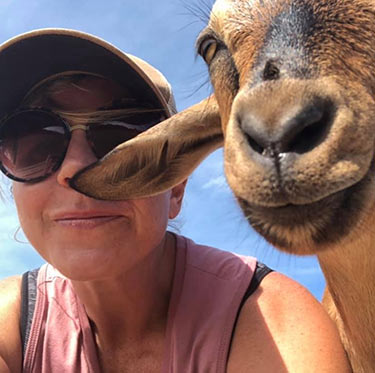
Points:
point(10, 300)
point(10, 310)
point(283, 328)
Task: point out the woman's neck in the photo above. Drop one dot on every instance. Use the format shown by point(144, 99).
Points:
point(135, 303)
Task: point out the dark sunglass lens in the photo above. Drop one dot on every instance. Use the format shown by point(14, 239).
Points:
point(32, 144)
point(105, 136)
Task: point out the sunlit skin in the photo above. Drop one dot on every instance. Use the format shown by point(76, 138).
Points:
point(106, 248)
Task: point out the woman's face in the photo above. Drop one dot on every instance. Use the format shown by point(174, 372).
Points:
point(82, 237)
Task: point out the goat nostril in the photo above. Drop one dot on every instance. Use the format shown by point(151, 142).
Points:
point(271, 71)
point(308, 129)
point(254, 144)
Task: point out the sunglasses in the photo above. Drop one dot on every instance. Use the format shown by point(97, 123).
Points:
point(33, 142)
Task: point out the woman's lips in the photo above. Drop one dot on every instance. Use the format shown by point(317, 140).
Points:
point(86, 221)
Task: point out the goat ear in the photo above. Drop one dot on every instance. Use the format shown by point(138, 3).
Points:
point(157, 159)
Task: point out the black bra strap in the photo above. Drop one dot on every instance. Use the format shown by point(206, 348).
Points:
point(261, 271)
point(28, 298)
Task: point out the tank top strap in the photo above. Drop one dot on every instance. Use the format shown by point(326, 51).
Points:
point(28, 299)
point(60, 338)
point(209, 286)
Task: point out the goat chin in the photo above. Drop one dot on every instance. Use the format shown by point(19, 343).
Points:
point(293, 106)
point(312, 228)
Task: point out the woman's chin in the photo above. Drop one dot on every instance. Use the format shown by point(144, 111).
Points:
point(88, 263)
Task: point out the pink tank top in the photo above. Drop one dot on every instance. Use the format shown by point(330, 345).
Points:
point(208, 287)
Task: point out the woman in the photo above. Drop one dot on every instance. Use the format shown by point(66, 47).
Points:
point(119, 292)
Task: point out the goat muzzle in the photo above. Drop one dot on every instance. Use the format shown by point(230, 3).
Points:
point(297, 141)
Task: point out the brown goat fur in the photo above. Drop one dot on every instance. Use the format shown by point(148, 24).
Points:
point(294, 90)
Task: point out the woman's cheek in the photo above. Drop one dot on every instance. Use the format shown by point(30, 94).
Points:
point(29, 201)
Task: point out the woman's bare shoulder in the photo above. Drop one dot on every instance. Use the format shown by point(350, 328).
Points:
point(283, 328)
point(10, 310)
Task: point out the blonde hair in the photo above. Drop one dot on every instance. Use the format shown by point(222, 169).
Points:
point(40, 96)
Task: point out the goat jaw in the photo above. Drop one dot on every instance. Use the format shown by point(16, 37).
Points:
point(156, 160)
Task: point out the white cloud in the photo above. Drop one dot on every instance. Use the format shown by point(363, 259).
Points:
point(216, 183)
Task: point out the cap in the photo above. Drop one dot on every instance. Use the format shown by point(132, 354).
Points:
point(30, 58)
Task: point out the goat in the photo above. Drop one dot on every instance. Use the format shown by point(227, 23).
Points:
point(294, 108)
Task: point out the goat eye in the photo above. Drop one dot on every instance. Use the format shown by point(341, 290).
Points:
point(208, 49)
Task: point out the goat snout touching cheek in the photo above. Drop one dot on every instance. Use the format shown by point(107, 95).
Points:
point(294, 107)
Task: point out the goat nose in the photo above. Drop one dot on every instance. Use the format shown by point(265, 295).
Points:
point(299, 134)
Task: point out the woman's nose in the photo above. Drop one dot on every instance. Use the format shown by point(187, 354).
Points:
point(78, 156)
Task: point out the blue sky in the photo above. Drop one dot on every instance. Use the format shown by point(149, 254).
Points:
point(163, 33)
